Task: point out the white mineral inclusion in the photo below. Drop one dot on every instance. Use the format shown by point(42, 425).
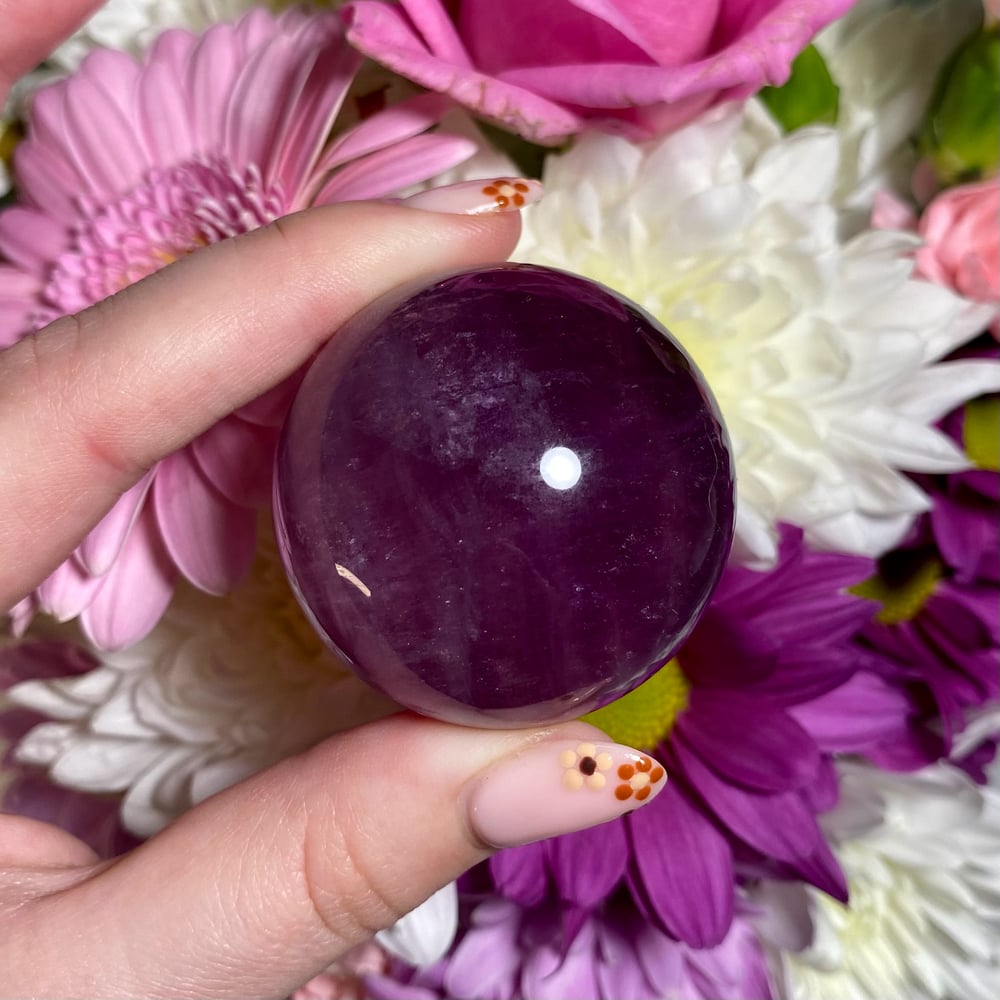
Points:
point(560, 468)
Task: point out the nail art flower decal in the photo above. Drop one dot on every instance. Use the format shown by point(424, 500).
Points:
point(638, 778)
point(585, 766)
point(506, 191)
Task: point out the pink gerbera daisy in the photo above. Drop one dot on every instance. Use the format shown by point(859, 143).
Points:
point(128, 166)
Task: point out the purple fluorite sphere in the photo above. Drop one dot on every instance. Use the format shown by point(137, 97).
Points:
point(504, 497)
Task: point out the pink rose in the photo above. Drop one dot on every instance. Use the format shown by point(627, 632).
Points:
point(961, 233)
point(547, 69)
point(962, 240)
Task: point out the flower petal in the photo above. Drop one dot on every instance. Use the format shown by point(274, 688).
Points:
point(103, 765)
point(549, 973)
point(380, 987)
point(931, 393)
point(682, 869)
point(669, 34)
point(164, 114)
point(520, 873)
point(486, 959)
point(394, 124)
point(22, 614)
point(237, 457)
point(68, 591)
point(210, 72)
point(805, 673)
point(746, 741)
point(780, 825)
point(31, 239)
point(891, 212)
point(862, 713)
point(589, 864)
point(821, 869)
point(98, 551)
point(93, 126)
point(269, 409)
point(45, 181)
point(662, 963)
point(438, 32)
point(426, 933)
point(211, 541)
point(309, 119)
point(42, 660)
point(760, 54)
point(390, 170)
point(91, 818)
point(135, 591)
point(618, 971)
point(383, 34)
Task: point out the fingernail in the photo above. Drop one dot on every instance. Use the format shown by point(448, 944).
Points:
point(503, 194)
point(558, 787)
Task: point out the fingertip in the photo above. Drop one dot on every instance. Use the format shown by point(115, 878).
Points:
point(29, 843)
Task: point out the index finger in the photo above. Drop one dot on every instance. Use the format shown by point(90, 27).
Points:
point(92, 401)
point(31, 30)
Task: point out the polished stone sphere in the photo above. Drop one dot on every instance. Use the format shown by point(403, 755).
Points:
point(504, 497)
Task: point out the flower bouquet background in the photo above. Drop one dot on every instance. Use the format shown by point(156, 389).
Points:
point(805, 193)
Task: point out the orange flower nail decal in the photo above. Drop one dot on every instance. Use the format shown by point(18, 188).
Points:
point(506, 191)
point(638, 779)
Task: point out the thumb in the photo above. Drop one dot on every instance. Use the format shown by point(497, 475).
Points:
point(261, 887)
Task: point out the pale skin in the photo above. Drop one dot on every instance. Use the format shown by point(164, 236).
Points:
point(261, 887)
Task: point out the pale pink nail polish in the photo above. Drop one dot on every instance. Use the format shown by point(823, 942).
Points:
point(558, 787)
point(502, 194)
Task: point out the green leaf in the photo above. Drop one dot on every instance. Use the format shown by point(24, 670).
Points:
point(961, 133)
point(981, 432)
point(528, 157)
point(809, 96)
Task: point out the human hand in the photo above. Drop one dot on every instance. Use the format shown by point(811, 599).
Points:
point(264, 885)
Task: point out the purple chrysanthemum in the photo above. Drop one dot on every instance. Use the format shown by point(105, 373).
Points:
point(747, 780)
point(550, 952)
point(932, 655)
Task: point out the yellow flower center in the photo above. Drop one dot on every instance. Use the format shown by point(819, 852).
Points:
point(981, 432)
point(902, 590)
point(644, 717)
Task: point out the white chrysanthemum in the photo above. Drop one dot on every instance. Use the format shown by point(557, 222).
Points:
point(221, 688)
point(922, 857)
point(822, 354)
point(883, 100)
point(131, 25)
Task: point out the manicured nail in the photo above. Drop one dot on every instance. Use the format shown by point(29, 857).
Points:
point(554, 788)
point(503, 194)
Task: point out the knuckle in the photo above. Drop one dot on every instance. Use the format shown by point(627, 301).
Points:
point(54, 383)
point(350, 893)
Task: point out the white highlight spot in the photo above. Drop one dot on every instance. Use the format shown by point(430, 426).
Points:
point(351, 578)
point(560, 468)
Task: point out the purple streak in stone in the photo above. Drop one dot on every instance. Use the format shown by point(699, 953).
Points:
point(506, 496)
